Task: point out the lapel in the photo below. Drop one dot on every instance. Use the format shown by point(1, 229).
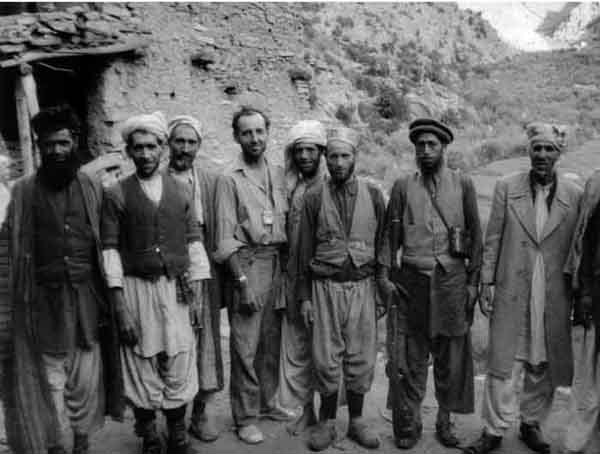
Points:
point(520, 201)
point(558, 209)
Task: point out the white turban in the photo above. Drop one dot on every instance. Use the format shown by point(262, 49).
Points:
point(545, 132)
point(187, 120)
point(307, 131)
point(154, 123)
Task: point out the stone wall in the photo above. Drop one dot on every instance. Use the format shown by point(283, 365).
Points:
point(205, 60)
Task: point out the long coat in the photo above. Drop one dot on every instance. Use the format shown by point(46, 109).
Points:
point(207, 181)
point(509, 255)
point(31, 419)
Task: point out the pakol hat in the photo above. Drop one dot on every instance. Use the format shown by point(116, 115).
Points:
point(422, 125)
point(344, 135)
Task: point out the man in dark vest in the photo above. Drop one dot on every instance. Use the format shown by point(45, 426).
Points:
point(57, 374)
point(155, 264)
point(424, 208)
point(185, 140)
point(251, 211)
point(339, 261)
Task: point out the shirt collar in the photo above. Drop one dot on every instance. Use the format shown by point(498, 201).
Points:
point(239, 165)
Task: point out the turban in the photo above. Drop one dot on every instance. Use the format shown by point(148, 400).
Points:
point(345, 135)
point(422, 125)
point(188, 121)
point(308, 131)
point(154, 123)
point(545, 132)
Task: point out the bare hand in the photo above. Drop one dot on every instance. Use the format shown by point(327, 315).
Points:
point(127, 331)
point(196, 307)
point(486, 299)
point(307, 313)
point(472, 293)
point(248, 303)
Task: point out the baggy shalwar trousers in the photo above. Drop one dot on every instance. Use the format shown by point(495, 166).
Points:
point(344, 335)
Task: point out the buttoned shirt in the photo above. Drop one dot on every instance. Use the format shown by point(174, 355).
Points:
point(250, 213)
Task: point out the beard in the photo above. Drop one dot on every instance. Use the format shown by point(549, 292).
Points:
point(57, 175)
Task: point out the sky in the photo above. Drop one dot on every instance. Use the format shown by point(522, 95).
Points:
point(516, 21)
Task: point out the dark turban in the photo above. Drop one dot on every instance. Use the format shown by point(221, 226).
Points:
point(54, 119)
point(422, 125)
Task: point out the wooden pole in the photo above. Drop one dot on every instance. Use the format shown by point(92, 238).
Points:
point(33, 106)
point(24, 126)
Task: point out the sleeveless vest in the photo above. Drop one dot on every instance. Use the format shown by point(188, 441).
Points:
point(65, 248)
point(333, 245)
point(153, 238)
point(425, 235)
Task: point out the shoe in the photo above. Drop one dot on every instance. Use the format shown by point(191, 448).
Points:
point(178, 442)
point(531, 435)
point(443, 431)
point(250, 434)
point(409, 438)
point(57, 450)
point(278, 414)
point(81, 443)
point(204, 428)
point(484, 444)
point(322, 436)
point(151, 444)
point(361, 434)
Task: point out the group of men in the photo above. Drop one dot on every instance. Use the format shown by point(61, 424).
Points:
point(117, 291)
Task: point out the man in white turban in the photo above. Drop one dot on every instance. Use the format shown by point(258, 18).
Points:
point(185, 140)
point(303, 164)
point(155, 263)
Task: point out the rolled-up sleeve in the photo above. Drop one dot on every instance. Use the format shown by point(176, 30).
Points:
point(199, 264)
point(226, 220)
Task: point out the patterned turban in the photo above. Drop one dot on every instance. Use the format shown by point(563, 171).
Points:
point(187, 120)
point(548, 133)
point(344, 135)
point(154, 123)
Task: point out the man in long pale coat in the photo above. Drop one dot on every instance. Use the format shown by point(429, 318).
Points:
point(528, 237)
point(185, 140)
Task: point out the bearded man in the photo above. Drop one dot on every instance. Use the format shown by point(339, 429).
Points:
point(185, 140)
point(251, 212)
point(303, 157)
point(340, 264)
point(441, 285)
point(155, 263)
point(56, 376)
point(528, 238)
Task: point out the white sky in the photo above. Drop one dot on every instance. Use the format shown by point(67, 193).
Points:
point(516, 21)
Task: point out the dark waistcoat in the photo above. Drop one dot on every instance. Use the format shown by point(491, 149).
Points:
point(153, 238)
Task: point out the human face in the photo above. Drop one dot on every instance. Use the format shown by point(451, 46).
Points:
point(429, 151)
point(184, 144)
point(340, 161)
point(252, 135)
point(307, 157)
point(57, 148)
point(543, 157)
point(145, 149)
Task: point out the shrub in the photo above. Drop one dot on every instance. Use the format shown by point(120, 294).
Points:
point(391, 104)
point(379, 67)
point(365, 83)
point(345, 22)
point(312, 98)
point(451, 117)
point(345, 114)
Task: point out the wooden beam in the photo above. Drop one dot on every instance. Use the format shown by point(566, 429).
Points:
point(33, 106)
point(102, 50)
point(24, 127)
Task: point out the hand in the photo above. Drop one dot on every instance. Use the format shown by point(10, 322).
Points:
point(486, 300)
point(196, 308)
point(307, 313)
point(127, 331)
point(472, 293)
point(582, 311)
point(388, 293)
point(247, 301)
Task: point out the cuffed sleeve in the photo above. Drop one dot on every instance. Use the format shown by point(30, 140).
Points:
point(199, 264)
point(493, 234)
point(113, 268)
